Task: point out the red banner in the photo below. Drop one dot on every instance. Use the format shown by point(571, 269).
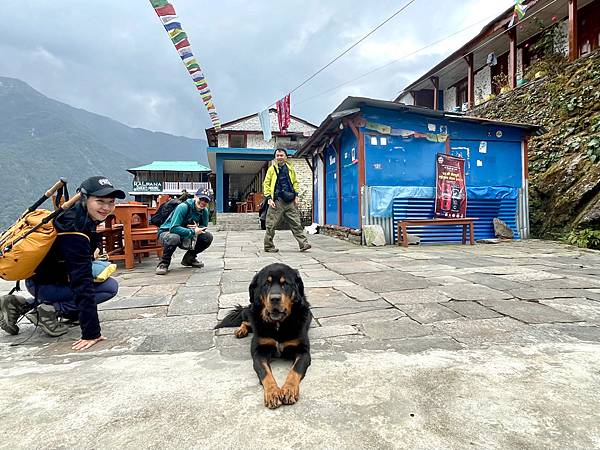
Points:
point(451, 192)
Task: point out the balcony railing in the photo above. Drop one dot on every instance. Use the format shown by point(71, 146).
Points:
point(175, 187)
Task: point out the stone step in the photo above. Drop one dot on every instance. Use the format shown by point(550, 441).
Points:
point(238, 221)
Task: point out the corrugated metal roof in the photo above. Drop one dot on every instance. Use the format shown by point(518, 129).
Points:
point(173, 166)
point(350, 104)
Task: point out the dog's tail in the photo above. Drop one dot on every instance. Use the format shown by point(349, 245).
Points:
point(233, 319)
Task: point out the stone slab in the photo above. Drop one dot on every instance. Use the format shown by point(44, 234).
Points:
point(472, 310)
point(108, 315)
point(428, 312)
point(234, 287)
point(582, 308)
point(408, 346)
point(389, 281)
point(332, 331)
point(359, 293)
point(567, 283)
point(133, 302)
point(178, 342)
point(356, 266)
point(532, 276)
point(529, 312)
point(192, 300)
point(467, 331)
point(362, 317)
point(342, 310)
point(394, 329)
point(158, 290)
point(414, 296)
point(493, 281)
point(538, 294)
point(232, 300)
point(473, 292)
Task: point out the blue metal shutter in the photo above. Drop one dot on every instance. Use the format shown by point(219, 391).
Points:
point(484, 209)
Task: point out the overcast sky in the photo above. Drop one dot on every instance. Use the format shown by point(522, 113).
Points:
point(114, 58)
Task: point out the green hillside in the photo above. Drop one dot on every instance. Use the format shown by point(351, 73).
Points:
point(42, 140)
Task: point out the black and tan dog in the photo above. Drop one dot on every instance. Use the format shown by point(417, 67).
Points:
point(279, 317)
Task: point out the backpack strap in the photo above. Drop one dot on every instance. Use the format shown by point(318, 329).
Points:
point(74, 232)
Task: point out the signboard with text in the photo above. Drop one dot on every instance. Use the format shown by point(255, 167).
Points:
point(147, 186)
point(451, 191)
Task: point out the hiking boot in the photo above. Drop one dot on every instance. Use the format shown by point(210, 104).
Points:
point(162, 269)
point(12, 307)
point(71, 319)
point(189, 260)
point(305, 247)
point(271, 250)
point(45, 317)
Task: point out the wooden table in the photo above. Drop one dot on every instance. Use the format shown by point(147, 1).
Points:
point(130, 215)
point(402, 224)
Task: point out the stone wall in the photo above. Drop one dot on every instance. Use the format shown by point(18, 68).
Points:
point(346, 234)
point(564, 169)
point(304, 175)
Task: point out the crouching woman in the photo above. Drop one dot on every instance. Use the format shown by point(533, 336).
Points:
point(63, 285)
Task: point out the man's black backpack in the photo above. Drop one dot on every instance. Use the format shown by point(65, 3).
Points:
point(164, 211)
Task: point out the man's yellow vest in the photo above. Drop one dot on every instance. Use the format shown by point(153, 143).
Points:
point(271, 179)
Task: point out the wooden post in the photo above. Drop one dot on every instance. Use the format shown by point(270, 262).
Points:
point(512, 57)
point(361, 173)
point(338, 156)
point(470, 80)
point(573, 44)
point(436, 85)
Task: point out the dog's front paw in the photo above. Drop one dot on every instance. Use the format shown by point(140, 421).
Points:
point(273, 397)
point(290, 393)
point(241, 332)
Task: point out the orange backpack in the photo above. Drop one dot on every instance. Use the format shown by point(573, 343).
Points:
point(25, 244)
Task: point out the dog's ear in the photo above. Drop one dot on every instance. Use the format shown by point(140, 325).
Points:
point(252, 288)
point(299, 286)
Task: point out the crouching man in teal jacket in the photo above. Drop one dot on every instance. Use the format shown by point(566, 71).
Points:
point(174, 232)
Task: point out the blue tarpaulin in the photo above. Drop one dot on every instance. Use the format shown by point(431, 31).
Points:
point(382, 197)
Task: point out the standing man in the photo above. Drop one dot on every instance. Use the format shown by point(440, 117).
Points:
point(281, 191)
point(174, 232)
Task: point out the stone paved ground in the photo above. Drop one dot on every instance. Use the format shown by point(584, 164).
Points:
point(490, 346)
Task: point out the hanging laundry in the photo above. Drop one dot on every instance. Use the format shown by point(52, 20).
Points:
point(166, 13)
point(283, 114)
point(265, 124)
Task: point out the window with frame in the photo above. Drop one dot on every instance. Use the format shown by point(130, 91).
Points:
point(237, 140)
point(462, 94)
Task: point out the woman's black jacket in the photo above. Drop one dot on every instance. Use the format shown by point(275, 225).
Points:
point(69, 262)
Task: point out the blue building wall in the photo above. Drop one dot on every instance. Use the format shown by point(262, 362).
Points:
point(493, 159)
point(349, 173)
point(331, 186)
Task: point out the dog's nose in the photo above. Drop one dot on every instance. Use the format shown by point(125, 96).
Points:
point(275, 298)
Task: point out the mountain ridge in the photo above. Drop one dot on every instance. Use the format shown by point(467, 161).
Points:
point(42, 139)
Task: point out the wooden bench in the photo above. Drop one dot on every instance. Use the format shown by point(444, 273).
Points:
point(402, 224)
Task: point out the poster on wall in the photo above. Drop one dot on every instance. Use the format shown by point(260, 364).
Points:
point(450, 192)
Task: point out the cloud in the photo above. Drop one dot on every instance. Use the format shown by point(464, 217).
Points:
point(114, 58)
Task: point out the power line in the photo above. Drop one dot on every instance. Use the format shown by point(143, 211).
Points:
point(353, 45)
point(350, 48)
point(528, 17)
point(392, 62)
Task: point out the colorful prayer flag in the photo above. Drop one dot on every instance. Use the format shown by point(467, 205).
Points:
point(167, 15)
point(172, 26)
point(184, 43)
point(167, 19)
point(166, 10)
point(283, 113)
point(158, 3)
